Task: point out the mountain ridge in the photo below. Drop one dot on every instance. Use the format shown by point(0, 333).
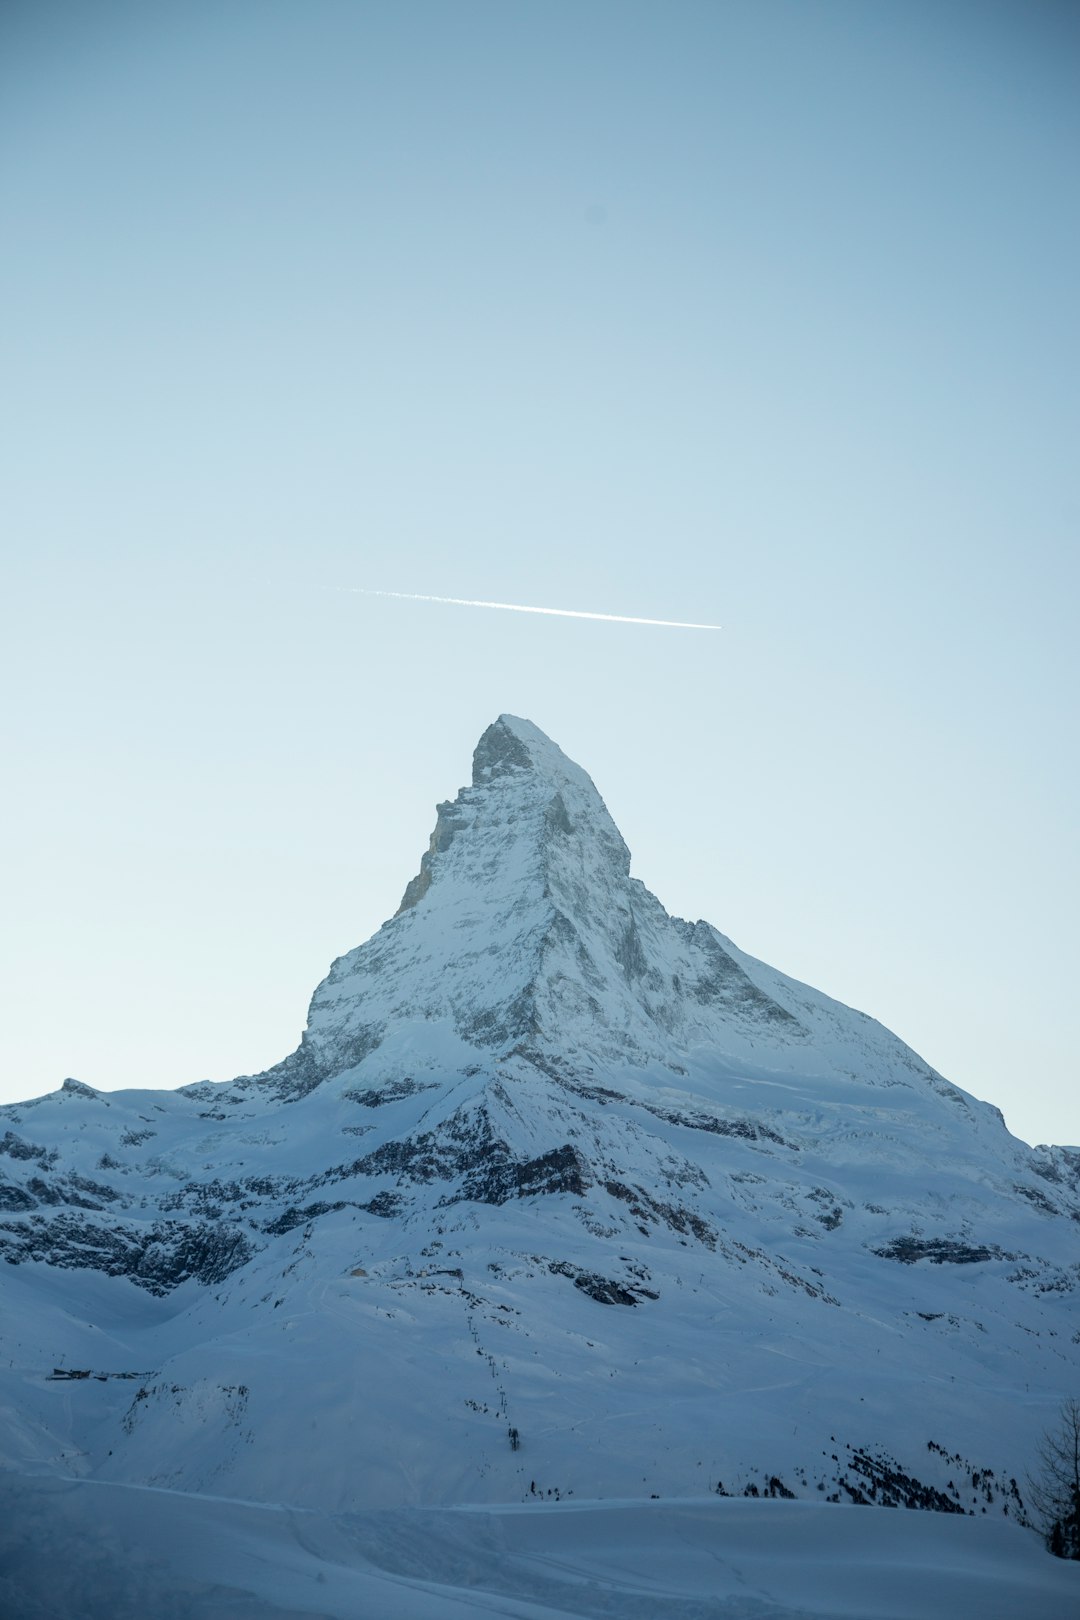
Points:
point(545, 1147)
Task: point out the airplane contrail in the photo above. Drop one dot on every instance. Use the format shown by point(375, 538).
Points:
point(517, 607)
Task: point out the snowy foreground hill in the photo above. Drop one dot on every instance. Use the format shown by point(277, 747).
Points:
point(574, 1263)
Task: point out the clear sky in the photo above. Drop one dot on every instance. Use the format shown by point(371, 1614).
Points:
point(762, 314)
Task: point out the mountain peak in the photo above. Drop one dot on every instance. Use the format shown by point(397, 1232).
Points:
point(524, 934)
point(510, 745)
point(523, 931)
point(541, 1143)
point(526, 796)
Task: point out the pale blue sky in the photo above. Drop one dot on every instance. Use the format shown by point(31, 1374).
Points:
point(763, 314)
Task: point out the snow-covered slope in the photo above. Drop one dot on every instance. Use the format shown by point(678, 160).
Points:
point(160, 1555)
point(558, 1194)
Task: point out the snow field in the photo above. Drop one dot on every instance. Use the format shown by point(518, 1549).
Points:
point(87, 1551)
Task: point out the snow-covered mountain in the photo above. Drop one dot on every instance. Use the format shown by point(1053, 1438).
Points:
point(558, 1195)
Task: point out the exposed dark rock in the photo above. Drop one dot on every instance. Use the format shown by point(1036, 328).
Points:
point(605, 1290)
point(724, 981)
point(272, 1186)
point(495, 1026)
point(12, 1197)
point(384, 1204)
point(629, 953)
point(777, 1265)
point(499, 753)
point(76, 1088)
point(16, 1148)
point(562, 1170)
point(44, 1192)
point(830, 1214)
point(449, 822)
point(93, 1189)
point(1034, 1196)
point(748, 1130)
point(940, 1251)
point(73, 1190)
point(416, 1158)
point(293, 1217)
point(158, 1260)
point(598, 1094)
point(646, 1208)
point(467, 1147)
point(557, 817)
point(176, 1254)
point(205, 1197)
point(393, 1091)
point(298, 1074)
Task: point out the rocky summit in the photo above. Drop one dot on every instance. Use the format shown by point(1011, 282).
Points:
point(559, 1196)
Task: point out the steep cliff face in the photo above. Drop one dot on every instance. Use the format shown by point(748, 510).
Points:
point(588, 1172)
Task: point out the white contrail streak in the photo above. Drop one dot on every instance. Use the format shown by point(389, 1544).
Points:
point(517, 607)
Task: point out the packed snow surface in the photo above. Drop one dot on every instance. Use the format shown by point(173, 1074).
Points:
point(173, 1556)
point(560, 1201)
